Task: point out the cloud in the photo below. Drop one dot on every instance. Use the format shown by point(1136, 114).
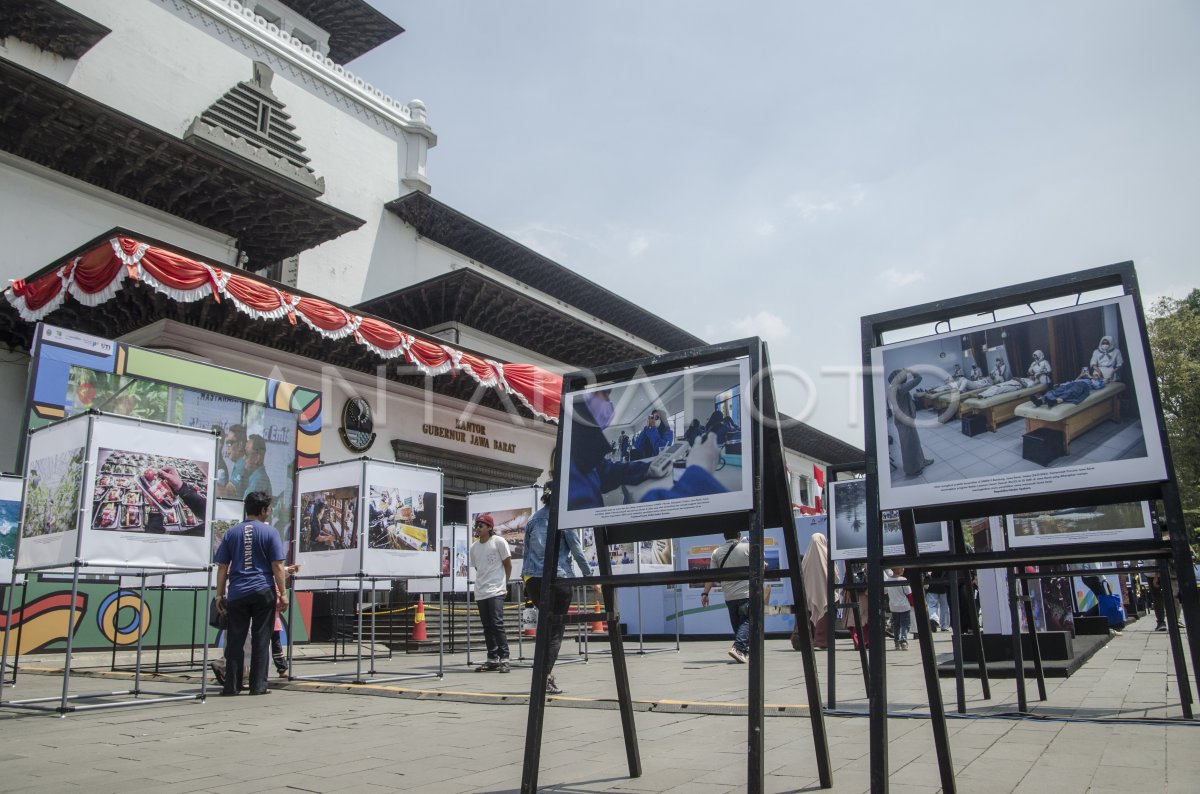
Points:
point(895, 278)
point(638, 244)
point(764, 324)
point(764, 228)
point(809, 204)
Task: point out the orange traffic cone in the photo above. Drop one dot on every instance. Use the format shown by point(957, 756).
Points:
point(418, 630)
point(598, 626)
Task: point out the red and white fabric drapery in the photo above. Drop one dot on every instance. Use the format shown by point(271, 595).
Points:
point(97, 276)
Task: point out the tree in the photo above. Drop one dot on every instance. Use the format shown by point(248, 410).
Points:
point(1175, 345)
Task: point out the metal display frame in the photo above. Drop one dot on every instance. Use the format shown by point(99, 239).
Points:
point(1120, 277)
point(362, 576)
point(771, 506)
point(68, 702)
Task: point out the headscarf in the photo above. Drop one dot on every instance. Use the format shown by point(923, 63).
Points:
point(815, 570)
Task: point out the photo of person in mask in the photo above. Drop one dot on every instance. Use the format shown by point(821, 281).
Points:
point(592, 474)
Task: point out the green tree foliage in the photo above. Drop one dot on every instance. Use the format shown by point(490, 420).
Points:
point(1175, 345)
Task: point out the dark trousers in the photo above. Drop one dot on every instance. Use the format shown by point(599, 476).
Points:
point(277, 651)
point(739, 621)
point(560, 604)
point(255, 614)
point(491, 615)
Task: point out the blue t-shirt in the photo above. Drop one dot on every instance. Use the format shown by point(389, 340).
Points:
point(248, 549)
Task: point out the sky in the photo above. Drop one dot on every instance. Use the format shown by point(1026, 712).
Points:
point(782, 168)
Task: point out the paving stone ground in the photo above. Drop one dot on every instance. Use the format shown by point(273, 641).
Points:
point(465, 731)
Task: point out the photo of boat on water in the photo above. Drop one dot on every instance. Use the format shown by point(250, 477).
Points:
point(1091, 524)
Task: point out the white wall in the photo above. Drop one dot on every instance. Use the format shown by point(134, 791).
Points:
point(45, 215)
point(166, 61)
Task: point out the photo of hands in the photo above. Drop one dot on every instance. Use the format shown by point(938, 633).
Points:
point(657, 447)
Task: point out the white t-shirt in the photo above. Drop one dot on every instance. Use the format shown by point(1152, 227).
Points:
point(898, 596)
point(487, 557)
point(735, 589)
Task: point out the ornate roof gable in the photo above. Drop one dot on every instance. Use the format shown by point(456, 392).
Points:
point(250, 122)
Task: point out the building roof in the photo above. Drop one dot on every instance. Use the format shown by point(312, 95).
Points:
point(51, 26)
point(60, 128)
point(471, 298)
point(117, 284)
point(354, 27)
point(470, 238)
point(812, 443)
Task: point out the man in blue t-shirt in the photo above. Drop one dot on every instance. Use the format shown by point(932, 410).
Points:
point(250, 560)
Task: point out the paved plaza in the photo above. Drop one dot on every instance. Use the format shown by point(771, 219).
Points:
point(465, 732)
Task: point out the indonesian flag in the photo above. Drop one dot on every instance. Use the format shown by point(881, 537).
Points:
point(819, 476)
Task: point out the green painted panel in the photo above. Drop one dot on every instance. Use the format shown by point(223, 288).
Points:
point(195, 375)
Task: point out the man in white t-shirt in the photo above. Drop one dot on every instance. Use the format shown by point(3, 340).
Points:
point(734, 553)
point(492, 560)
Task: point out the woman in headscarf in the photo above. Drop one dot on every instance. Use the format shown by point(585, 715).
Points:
point(1039, 370)
point(814, 569)
point(1107, 356)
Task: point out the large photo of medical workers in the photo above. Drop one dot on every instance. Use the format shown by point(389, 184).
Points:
point(1016, 408)
point(848, 525)
point(1089, 524)
point(660, 447)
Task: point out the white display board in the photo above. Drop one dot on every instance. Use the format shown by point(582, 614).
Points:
point(682, 480)
point(50, 509)
point(328, 518)
point(10, 525)
point(372, 517)
point(1095, 524)
point(404, 516)
point(147, 495)
point(511, 509)
point(848, 525)
point(453, 543)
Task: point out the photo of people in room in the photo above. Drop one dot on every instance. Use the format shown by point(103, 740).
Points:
point(1058, 394)
point(655, 440)
point(328, 519)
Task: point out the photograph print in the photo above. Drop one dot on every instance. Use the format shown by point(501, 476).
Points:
point(1091, 524)
point(328, 519)
point(52, 492)
point(10, 522)
point(848, 525)
point(659, 447)
point(1016, 408)
point(135, 491)
point(510, 510)
point(402, 519)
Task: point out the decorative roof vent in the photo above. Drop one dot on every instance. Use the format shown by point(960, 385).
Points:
point(250, 122)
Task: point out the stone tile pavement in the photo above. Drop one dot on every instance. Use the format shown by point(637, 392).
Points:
point(465, 731)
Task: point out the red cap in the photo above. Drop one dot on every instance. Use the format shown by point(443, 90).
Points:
point(486, 518)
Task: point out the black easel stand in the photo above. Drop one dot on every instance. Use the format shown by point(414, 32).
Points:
point(772, 502)
point(937, 711)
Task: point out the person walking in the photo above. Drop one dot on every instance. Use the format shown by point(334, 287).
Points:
point(533, 564)
point(250, 564)
point(734, 553)
point(492, 560)
point(900, 605)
